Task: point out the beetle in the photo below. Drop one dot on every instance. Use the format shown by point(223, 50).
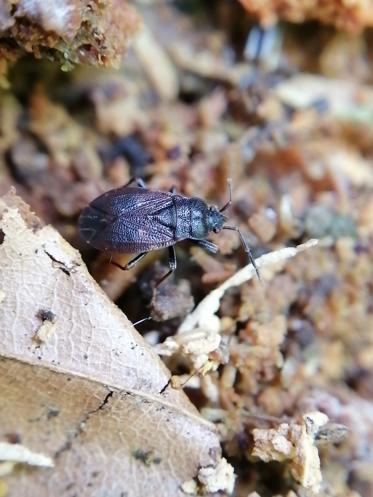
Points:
point(135, 219)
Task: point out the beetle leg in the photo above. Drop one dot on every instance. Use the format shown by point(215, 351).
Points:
point(173, 190)
point(209, 246)
point(142, 320)
point(245, 246)
point(172, 263)
point(139, 182)
point(131, 263)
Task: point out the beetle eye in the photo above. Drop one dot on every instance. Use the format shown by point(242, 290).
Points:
point(216, 230)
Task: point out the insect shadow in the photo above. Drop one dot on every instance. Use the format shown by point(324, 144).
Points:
point(134, 219)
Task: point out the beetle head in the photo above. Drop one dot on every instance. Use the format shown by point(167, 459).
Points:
point(215, 219)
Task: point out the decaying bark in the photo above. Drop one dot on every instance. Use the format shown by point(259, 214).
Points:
point(70, 31)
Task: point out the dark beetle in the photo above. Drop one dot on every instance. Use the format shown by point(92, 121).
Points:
point(135, 219)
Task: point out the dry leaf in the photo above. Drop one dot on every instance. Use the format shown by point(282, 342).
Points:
point(90, 395)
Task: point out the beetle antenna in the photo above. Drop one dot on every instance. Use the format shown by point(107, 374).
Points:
point(225, 206)
point(142, 320)
point(246, 247)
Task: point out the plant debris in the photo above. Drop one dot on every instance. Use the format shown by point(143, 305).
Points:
point(68, 31)
point(205, 94)
point(17, 453)
point(170, 301)
point(294, 443)
point(211, 479)
point(198, 335)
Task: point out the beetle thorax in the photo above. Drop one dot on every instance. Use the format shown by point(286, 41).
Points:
point(198, 228)
point(195, 219)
